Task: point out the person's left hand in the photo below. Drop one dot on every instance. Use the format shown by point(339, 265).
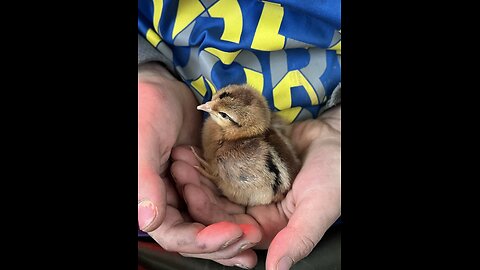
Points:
point(167, 116)
point(290, 228)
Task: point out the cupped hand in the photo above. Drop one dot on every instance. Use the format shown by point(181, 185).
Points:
point(290, 228)
point(167, 117)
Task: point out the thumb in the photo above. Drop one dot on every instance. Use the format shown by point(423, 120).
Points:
point(151, 200)
point(294, 242)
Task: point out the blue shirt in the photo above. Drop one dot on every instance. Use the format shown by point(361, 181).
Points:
point(288, 50)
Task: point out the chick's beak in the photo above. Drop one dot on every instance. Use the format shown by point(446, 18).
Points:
point(205, 107)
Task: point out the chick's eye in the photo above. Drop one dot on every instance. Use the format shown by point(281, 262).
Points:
point(224, 115)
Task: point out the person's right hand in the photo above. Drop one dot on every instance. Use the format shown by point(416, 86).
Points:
point(167, 117)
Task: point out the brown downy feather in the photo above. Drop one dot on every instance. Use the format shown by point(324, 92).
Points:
point(247, 150)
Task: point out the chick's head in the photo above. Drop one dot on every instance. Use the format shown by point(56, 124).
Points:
point(239, 110)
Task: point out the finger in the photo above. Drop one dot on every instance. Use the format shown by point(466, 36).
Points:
point(176, 235)
point(271, 218)
point(305, 228)
point(184, 173)
point(207, 211)
point(251, 236)
point(151, 200)
point(181, 177)
point(184, 153)
point(171, 192)
point(226, 253)
point(246, 260)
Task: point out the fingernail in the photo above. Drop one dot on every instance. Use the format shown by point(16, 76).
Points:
point(147, 212)
point(231, 241)
point(241, 266)
point(285, 263)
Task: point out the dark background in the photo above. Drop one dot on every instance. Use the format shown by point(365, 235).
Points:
point(70, 118)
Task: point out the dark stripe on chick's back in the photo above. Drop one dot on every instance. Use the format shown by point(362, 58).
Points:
point(274, 169)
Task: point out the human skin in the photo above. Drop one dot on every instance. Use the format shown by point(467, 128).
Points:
point(167, 117)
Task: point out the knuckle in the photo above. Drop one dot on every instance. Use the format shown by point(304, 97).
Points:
point(306, 245)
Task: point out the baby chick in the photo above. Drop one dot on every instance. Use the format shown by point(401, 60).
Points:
point(247, 150)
